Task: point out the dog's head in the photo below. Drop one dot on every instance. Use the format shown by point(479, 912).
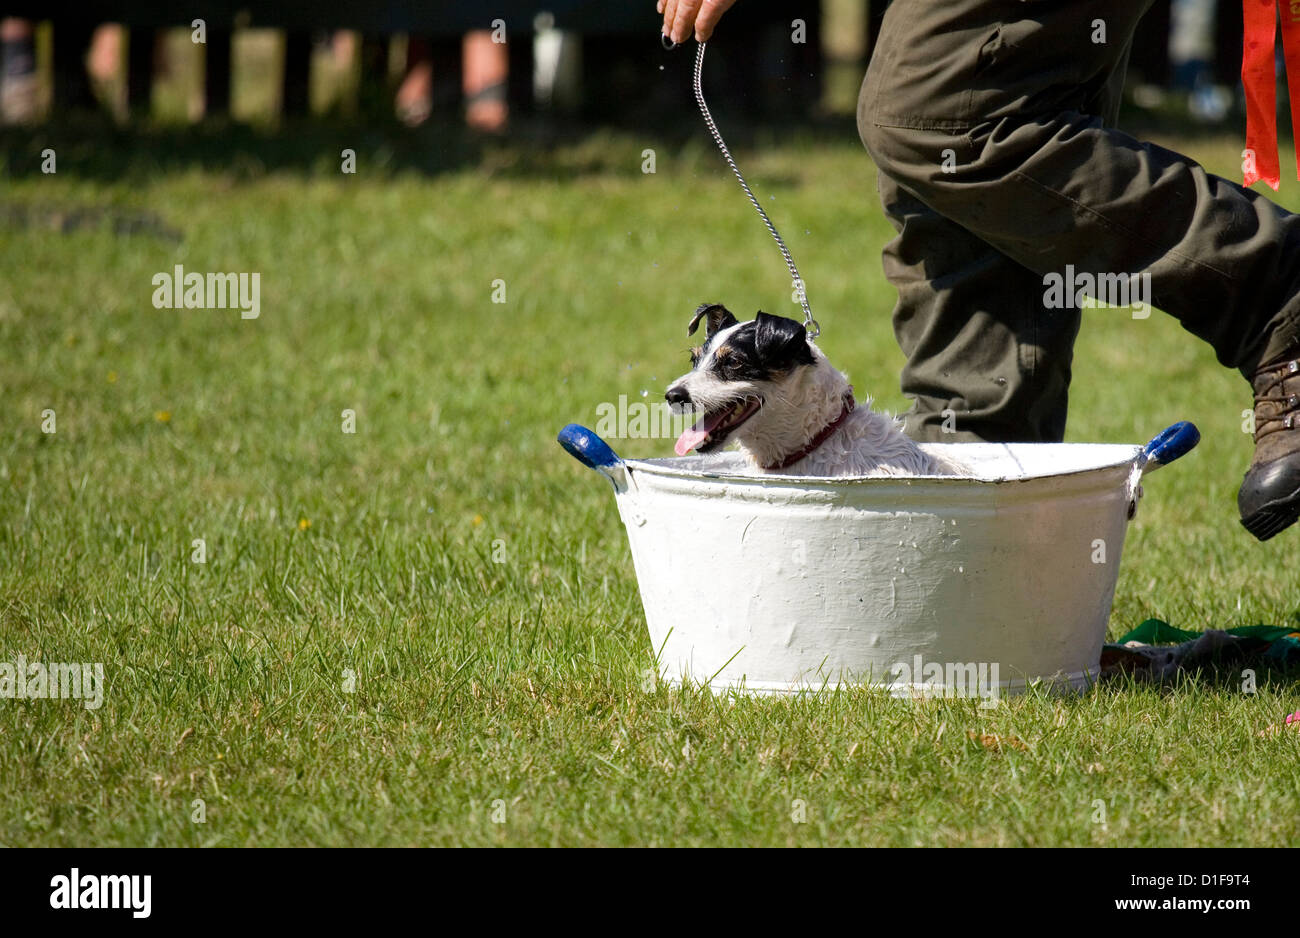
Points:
point(741, 368)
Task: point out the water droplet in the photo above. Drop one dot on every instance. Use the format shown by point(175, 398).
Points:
point(645, 393)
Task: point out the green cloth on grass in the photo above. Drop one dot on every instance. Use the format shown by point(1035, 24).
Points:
point(1283, 642)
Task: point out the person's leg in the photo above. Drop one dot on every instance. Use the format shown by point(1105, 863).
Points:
point(1011, 95)
point(414, 102)
point(991, 113)
point(17, 71)
point(985, 359)
point(486, 72)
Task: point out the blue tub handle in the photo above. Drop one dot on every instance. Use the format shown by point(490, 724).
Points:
point(593, 452)
point(1169, 444)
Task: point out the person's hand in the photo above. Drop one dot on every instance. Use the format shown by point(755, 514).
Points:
point(680, 16)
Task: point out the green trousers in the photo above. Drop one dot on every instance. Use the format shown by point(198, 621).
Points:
point(991, 122)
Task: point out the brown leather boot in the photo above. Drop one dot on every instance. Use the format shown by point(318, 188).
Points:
point(1269, 499)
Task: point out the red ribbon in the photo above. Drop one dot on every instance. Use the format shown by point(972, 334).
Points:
point(1259, 78)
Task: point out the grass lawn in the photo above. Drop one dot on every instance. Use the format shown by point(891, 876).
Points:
point(427, 632)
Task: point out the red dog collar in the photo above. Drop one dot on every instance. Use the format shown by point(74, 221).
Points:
point(820, 438)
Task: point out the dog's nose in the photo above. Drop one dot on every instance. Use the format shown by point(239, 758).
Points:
point(677, 395)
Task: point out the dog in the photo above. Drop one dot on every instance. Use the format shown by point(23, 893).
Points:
point(764, 384)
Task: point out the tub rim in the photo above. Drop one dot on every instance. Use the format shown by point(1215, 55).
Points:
point(663, 466)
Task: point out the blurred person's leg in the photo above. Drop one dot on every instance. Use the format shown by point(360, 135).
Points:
point(485, 71)
point(1191, 41)
point(1191, 58)
point(1041, 179)
point(106, 44)
point(415, 93)
point(344, 45)
point(107, 67)
point(17, 71)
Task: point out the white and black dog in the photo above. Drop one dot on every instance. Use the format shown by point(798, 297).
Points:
point(766, 385)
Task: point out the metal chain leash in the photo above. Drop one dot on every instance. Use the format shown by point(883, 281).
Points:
point(810, 324)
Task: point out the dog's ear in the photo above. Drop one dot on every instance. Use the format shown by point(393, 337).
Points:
point(781, 343)
point(719, 318)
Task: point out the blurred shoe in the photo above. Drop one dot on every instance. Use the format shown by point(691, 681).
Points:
point(1269, 499)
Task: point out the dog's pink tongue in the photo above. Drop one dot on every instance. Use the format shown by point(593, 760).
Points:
point(697, 434)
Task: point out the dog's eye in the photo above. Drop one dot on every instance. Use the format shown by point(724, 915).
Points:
point(695, 355)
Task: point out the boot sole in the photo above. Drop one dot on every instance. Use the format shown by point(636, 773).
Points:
point(1274, 518)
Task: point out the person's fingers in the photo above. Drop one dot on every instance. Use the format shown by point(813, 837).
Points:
point(669, 11)
point(684, 19)
point(659, 7)
point(709, 16)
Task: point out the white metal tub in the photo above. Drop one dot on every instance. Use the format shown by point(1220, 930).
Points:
point(972, 585)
